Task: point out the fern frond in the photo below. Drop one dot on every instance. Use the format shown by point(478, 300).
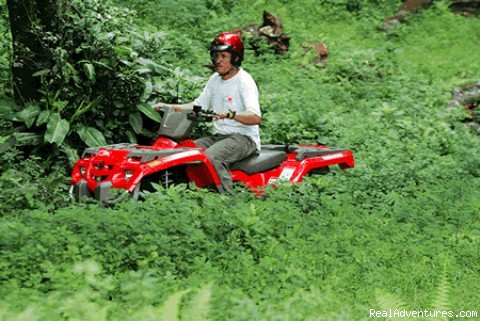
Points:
point(199, 306)
point(388, 301)
point(441, 301)
point(170, 309)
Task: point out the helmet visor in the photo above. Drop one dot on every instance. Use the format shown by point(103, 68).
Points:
point(220, 47)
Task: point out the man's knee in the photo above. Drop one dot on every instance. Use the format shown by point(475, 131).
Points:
point(213, 155)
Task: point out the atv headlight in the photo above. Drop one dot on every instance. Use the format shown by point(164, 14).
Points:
point(128, 174)
point(82, 171)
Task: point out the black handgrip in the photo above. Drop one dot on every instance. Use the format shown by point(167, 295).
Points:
point(198, 112)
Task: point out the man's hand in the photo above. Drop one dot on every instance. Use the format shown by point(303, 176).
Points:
point(176, 107)
point(228, 115)
point(158, 108)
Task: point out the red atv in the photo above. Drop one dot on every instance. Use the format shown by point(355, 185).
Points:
point(108, 173)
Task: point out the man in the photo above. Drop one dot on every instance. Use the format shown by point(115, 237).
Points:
point(233, 95)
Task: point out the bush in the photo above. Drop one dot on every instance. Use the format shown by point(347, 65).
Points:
point(101, 76)
point(5, 49)
point(27, 184)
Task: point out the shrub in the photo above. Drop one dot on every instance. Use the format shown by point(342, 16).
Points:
point(27, 184)
point(101, 76)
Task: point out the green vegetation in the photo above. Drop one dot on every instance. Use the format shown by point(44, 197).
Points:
point(400, 230)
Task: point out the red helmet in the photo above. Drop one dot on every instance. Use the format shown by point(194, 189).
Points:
point(230, 42)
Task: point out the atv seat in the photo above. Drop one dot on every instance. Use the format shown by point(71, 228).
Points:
point(260, 162)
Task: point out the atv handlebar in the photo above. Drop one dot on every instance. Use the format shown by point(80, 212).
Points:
point(209, 115)
point(197, 113)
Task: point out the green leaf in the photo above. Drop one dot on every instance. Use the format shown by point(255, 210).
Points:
point(42, 72)
point(7, 143)
point(127, 63)
point(146, 62)
point(121, 39)
point(159, 69)
point(92, 137)
point(143, 70)
point(71, 153)
point(152, 66)
point(441, 301)
point(247, 221)
point(89, 71)
point(43, 117)
point(131, 137)
point(149, 112)
point(28, 114)
point(59, 105)
point(178, 72)
point(148, 90)
point(136, 121)
point(83, 109)
point(57, 130)
point(105, 36)
point(388, 300)
point(7, 109)
point(24, 139)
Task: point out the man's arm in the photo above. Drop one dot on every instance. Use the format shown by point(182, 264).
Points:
point(246, 117)
point(176, 107)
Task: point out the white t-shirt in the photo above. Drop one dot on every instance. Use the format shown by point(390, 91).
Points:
point(239, 94)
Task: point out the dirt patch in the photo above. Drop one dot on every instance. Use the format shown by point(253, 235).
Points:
point(468, 97)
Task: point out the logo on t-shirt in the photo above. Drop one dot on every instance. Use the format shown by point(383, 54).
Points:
point(228, 100)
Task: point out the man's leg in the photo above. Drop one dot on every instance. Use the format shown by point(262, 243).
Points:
point(208, 141)
point(229, 150)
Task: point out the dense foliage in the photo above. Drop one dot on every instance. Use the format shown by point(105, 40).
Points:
point(400, 230)
point(101, 75)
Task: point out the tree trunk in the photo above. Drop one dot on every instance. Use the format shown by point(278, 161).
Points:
point(30, 20)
